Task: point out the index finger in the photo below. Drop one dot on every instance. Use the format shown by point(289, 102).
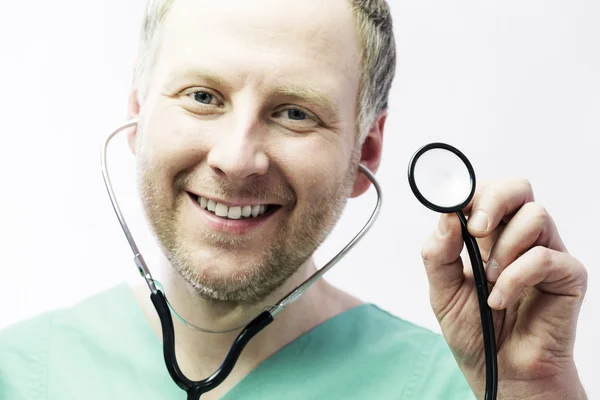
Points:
point(494, 202)
point(443, 264)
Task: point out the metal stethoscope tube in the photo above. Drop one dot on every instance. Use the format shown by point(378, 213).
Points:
point(195, 389)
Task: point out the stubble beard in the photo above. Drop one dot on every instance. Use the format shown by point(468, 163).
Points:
point(293, 243)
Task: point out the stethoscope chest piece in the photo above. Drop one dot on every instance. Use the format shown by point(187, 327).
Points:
point(442, 178)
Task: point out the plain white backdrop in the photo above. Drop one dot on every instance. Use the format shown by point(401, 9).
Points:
point(514, 84)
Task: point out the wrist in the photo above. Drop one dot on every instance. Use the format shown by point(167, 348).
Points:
point(556, 388)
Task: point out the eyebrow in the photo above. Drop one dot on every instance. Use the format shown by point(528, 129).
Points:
point(301, 92)
point(310, 95)
point(189, 74)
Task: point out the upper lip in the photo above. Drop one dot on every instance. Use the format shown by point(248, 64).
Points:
point(236, 202)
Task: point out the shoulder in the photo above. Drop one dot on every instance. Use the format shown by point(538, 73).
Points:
point(421, 356)
point(23, 355)
point(94, 313)
point(369, 324)
point(31, 350)
point(364, 352)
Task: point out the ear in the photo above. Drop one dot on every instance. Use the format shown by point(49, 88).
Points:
point(370, 154)
point(133, 112)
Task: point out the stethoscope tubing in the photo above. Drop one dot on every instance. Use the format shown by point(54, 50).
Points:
point(195, 389)
point(485, 313)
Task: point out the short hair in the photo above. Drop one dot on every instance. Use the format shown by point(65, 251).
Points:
point(378, 58)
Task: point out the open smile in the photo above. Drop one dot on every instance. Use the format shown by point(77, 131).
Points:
point(233, 218)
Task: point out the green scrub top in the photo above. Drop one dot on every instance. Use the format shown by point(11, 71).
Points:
point(104, 348)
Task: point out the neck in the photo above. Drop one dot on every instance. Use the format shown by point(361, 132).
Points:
point(200, 353)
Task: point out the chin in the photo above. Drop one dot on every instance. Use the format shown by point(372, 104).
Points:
point(223, 289)
point(226, 277)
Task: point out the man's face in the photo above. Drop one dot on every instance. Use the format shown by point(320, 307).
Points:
point(247, 145)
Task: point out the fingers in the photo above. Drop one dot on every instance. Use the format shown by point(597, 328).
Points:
point(495, 202)
point(442, 261)
point(550, 271)
point(531, 226)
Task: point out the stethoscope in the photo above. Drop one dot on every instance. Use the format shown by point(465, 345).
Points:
point(443, 180)
point(195, 389)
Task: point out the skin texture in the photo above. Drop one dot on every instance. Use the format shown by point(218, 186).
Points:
point(538, 289)
point(216, 122)
point(242, 147)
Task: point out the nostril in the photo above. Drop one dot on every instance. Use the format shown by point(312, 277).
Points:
point(237, 161)
point(219, 172)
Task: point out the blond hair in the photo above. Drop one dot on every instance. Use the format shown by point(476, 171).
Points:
point(375, 29)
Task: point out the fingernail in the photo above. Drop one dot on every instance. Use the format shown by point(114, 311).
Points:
point(479, 221)
point(443, 226)
point(492, 270)
point(495, 299)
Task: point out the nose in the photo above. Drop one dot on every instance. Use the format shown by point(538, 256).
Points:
point(238, 157)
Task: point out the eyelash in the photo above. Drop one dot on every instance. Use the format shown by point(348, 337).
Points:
point(309, 115)
point(192, 94)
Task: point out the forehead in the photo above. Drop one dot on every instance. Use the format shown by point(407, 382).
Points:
point(263, 40)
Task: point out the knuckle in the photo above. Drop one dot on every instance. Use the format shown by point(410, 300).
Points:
point(583, 271)
point(537, 211)
point(581, 274)
point(542, 255)
point(526, 185)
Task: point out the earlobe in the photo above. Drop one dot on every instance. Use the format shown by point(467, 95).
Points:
point(133, 111)
point(370, 154)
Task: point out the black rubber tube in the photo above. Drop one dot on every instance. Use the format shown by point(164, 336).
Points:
point(485, 312)
point(195, 389)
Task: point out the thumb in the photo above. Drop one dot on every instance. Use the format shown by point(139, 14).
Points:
point(442, 261)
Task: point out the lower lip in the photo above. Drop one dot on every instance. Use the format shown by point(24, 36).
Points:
point(236, 226)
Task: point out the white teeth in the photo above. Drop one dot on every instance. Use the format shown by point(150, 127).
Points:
point(221, 210)
point(246, 211)
point(211, 205)
point(234, 212)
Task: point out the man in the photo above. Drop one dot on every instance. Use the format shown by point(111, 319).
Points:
point(254, 117)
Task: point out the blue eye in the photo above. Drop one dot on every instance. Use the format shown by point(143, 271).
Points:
point(296, 118)
point(296, 115)
point(203, 97)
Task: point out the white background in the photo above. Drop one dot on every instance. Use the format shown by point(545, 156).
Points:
point(514, 84)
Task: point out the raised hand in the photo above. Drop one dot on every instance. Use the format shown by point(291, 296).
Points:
point(536, 291)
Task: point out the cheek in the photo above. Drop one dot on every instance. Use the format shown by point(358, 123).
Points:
point(313, 166)
point(172, 140)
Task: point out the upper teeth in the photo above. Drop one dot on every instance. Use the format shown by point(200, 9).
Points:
point(233, 212)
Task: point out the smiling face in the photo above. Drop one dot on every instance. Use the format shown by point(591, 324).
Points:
point(247, 148)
